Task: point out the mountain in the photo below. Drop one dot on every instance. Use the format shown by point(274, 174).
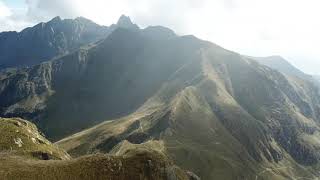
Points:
point(221, 115)
point(316, 77)
point(213, 111)
point(282, 65)
point(57, 37)
point(24, 154)
point(44, 41)
point(125, 22)
point(68, 90)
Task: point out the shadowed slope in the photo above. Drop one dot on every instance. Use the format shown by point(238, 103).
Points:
point(84, 82)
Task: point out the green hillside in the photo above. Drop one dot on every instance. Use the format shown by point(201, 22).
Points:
point(223, 116)
point(25, 154)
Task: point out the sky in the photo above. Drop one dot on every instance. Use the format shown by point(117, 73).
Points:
point(289, 28)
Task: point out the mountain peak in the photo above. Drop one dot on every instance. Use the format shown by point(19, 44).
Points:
point(275, 57)
point(125, 22)
point(56, 19)
point(84, 20)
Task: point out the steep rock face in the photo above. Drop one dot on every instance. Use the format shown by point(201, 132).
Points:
point(47, 40)
point(27, 88)
point(85, 80)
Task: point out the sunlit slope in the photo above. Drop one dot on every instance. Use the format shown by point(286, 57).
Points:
point(22, 138)
point(25, 154)
point(135, 165)
point(223, 116)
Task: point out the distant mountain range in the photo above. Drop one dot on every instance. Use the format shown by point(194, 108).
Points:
point(282, 65)
point(212, 111)
point(57, 37)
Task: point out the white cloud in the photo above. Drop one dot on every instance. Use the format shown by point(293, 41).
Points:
point(254, 27)
point(11, 19)
point(42, 10)
point(4, 10)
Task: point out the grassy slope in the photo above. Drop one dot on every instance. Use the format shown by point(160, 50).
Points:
point(135, 165)
point(34, 157)
point(218, 117)
point(23, 138)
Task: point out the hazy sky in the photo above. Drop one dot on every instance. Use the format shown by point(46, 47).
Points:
point(290, 28)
